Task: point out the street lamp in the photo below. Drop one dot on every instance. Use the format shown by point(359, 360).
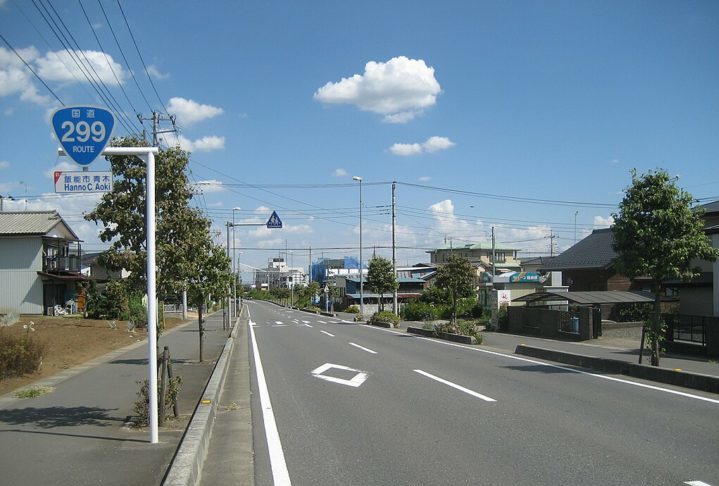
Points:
point(234, 269)
point(359, 179)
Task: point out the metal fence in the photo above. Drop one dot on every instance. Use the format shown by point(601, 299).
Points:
point(689, 328)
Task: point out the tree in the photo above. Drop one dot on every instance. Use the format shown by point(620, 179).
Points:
point(457, 279)
point(381, 278)
point(122, 215)
point(658, 235)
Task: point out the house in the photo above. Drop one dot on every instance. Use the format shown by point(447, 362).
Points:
point(92, 268)
point(480, 255)
point(39, 262)
point(349, 292)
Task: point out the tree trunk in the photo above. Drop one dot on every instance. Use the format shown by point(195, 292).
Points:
point(656, 335)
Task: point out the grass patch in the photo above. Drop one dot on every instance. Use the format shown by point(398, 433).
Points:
point(33, 391)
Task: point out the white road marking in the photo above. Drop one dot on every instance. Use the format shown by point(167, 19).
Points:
point(457, 387)
point(363, 348)
point(279, 325)
point(355, 382)
point(280, 474)
point(329, 334)
point(278, 322)
point(697, 483)
point(604, 377)
point(322, 322)
point(305, 324)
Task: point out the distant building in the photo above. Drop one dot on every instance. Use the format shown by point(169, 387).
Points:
point(279, 274)
point(480, 255)
point(326, 269)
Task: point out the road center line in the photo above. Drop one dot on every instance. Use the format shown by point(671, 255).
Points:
point(457, 387)
point(329, 334)
point(280, 474)
point(363, 348)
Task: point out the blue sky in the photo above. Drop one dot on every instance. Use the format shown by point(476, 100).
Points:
point(502, 105)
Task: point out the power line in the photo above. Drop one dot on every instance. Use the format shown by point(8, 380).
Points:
point(141, 59)
point(31, 69)
point(122, 53)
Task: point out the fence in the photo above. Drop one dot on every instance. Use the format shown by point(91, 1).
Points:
point(694, 334)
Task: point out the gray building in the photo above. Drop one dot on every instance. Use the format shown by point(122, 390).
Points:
point(39, 262)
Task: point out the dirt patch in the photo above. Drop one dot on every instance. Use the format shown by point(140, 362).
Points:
point(71, 341)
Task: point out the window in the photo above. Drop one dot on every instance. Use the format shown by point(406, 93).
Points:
point(499, 257)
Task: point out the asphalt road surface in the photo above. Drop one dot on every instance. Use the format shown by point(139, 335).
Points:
point(339, 403)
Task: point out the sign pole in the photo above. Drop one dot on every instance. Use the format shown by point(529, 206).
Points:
point(148, 155)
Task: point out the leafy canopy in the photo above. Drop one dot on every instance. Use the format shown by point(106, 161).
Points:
point(457, 279)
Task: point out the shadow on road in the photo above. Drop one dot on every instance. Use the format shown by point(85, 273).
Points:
point(80, 436)
point(551, 370)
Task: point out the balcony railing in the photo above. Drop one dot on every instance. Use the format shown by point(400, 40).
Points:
point(62, 264)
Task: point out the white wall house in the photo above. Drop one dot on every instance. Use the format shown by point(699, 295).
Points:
point(39, 262)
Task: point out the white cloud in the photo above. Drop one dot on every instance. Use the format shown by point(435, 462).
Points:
point(406, 149)
point(9, 111)
point(4, 164)
point(339, 173)
point(63, 166)
point(15, 79)
point(424, 178)
point(431, 145)
point(399, 89)
point(204, 144)
point(189, 112)
point(154, 72)
point(603, 222)
point(59, 66)
point(209, 186)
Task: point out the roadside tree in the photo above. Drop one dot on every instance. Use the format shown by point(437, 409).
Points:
point(381, 278)
point(457, 279)
point(658, 235)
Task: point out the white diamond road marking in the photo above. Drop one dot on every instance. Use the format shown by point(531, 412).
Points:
point(355, 382)
point(363, 348)
point(456, 387)
point(329, 334)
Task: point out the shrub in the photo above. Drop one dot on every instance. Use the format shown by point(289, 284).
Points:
point(353, 309)
point(142, 405)
point(136, 312)
point(418, 310)
point(385, 316)
point(20, 355)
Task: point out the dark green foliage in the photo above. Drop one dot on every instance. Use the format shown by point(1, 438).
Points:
point(108, 303)
point(353, 309)
point(136, 311)
point(634, 312)
point(381, 278)
point(19, 355)
point(658, 235)
point(385, 316)
point(457, 278)
point(418, 310)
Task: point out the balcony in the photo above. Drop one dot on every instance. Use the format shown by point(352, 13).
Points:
point(61, 258)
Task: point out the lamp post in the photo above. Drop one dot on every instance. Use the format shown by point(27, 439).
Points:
point(359, 179)
point(234, 268)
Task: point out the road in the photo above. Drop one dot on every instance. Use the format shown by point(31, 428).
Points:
point(354, 404)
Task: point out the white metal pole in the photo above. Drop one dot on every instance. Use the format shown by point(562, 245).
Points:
point(151, 298)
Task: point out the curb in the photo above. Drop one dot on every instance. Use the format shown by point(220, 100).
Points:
point(187, 463)
point(457, 338)
point(696, 381)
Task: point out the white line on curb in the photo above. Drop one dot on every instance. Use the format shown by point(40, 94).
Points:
point(363, 348)
point(329, 334)
point(280, 474)
point(457, 387)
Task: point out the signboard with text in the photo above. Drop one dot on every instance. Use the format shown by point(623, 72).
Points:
point(82, 182)
point(83, 131)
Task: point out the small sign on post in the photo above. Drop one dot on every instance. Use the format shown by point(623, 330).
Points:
point(78, 182)
point(274, 222)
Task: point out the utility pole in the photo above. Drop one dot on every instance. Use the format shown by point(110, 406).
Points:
point(494, 259)
point(551, 237)
point(156, 118)
point(394, 248)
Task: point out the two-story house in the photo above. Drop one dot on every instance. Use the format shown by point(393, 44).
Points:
point(503, 257)
point(39, 262)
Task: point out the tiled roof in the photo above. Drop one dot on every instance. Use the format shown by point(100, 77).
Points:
point(28, 222)
point(712, 207)
point(593, 252)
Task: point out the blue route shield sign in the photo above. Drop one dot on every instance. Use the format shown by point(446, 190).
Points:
point(274, 222)
point(83, 131)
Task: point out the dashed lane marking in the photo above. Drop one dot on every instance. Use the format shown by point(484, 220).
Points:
point(329, 334)
point(363, 348)
point(456, 387)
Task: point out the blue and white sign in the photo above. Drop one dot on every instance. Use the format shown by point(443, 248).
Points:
point(274, 222)
point(78, 182)
point(83, 131)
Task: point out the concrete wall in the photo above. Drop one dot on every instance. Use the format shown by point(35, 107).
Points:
point(20, 285)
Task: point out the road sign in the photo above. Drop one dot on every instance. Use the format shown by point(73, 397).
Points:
point(274, 222)
point(79, 182)
point(83, 131)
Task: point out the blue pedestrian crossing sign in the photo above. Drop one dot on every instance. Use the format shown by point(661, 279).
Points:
point(274, 222)
point(83, 131)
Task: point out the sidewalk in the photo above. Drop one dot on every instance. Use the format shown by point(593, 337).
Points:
point(618, 355)
point(78, 433)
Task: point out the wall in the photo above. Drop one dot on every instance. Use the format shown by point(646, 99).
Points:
point(545, 323)
point(20, 260)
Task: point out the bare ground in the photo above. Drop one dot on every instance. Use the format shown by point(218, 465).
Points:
point(71, 341)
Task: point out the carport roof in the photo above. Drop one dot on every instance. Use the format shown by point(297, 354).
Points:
point(590, 297)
